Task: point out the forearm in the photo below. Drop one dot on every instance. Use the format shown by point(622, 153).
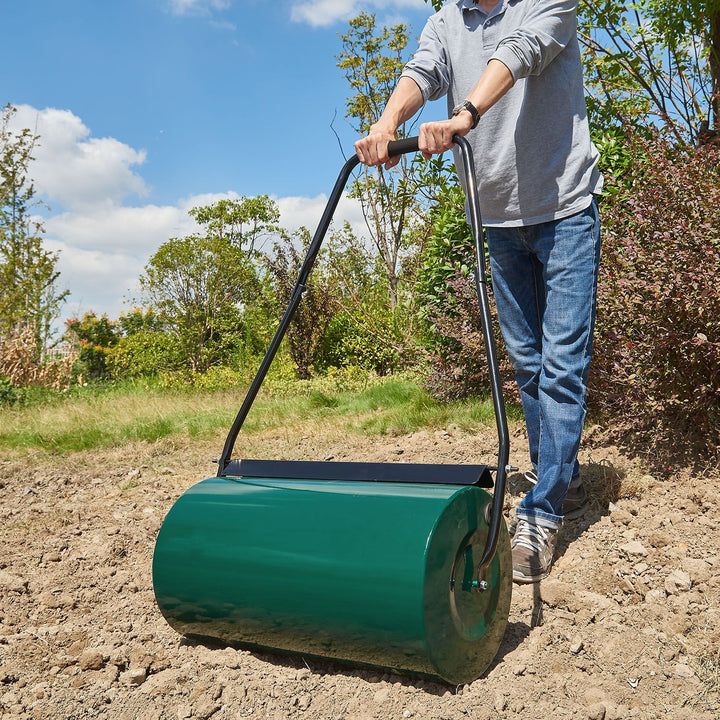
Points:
point(494, 82)
point(404, 102)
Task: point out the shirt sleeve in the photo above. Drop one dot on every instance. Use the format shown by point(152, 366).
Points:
point(429, 65)
point(548, 27)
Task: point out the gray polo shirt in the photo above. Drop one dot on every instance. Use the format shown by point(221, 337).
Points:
point(534, 157)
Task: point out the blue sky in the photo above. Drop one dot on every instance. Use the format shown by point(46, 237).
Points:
point(146, 108)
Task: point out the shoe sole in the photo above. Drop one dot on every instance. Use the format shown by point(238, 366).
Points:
point(521, 579)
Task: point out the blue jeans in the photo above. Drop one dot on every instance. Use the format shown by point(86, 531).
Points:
point(544, 281)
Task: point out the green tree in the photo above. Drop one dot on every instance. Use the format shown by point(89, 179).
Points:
point(198, 285)
point(29, 296)
point(141, 346)
point(201, 285)
point(242, 222)
point(372, 59)
point(654, 61)
point(139, 320)
point(365, 332)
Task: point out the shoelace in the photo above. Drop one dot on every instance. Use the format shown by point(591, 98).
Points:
point(532, 537)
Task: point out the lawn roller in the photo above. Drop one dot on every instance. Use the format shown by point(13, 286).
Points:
point(398, 566)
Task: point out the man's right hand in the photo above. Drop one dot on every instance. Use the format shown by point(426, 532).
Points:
point(372, 149)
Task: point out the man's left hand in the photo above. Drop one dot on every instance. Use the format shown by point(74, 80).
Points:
point(436, 137)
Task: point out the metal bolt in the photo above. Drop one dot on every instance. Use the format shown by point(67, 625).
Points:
point(481, 586)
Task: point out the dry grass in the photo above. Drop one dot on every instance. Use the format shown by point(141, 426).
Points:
point(116, 417)
point(20, 364)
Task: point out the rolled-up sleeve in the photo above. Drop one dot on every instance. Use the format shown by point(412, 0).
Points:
point(429, 65)
point(547, 28)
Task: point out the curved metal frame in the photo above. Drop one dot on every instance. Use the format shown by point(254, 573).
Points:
point(401, 147)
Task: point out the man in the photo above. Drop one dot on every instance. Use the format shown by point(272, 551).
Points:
point(512, 74)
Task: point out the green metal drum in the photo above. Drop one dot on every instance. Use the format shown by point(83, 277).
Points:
point(375, 574)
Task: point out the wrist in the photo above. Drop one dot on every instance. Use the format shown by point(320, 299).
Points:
point(382, 129)
point(467, 108)
point(464, 121)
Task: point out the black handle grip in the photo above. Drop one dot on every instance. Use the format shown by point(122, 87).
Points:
point(402, 147)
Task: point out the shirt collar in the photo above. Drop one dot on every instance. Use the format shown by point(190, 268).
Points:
point(469, 5)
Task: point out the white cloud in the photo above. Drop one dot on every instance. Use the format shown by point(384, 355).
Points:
point(321, 13)
point(100, 281)
point(134, 229)
point(102, 252)
point(299, 211)
point(102, 238)
point(75, 170)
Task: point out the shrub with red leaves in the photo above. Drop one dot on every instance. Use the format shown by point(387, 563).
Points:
point(657, 341)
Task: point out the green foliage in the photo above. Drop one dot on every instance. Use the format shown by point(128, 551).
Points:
point(28, 274)
point(199, 285)
point(657, 351)
point(8, 392)
point(372, 332)
point(241, 222)
point(372, 59)
point(347, 344)
point(449, 306)
point(654, 61)
point(139, 320)
point(143, 353)
point(616, 158)
point(95, 336)
point(448, 252)
point(217, 377)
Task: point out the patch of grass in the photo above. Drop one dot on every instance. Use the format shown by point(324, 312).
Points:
point(113, 416)
point(708, 671)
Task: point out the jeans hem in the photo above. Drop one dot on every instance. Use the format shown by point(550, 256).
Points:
point(553, 522)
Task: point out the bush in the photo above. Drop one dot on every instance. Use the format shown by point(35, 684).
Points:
point(8, 393)
point(143, 353)
point(217, 377)
point(657, 344)
point(450, 308)
point(94, 336)
point(347, 344)
point(305, 333)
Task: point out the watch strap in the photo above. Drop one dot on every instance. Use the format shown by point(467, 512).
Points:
point(467, 105)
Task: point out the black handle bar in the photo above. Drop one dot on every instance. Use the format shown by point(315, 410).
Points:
point(402, 147)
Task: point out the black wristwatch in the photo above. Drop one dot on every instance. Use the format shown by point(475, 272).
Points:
point(467, 105)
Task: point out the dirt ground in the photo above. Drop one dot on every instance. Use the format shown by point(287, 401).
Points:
point(627, 625)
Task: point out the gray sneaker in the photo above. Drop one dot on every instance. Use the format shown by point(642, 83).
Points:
point(575, 505)
point(533, 547)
